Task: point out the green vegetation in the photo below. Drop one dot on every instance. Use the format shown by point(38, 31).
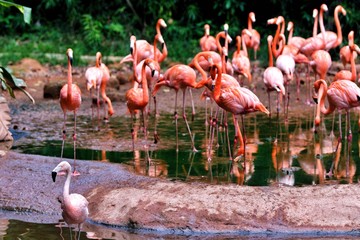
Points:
point(90, 26)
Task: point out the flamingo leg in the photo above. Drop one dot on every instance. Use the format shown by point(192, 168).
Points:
point(75, 173)
point(349, 139)
point(187, 124)
point(176, 123)
point(192, 105)
point(63, 136)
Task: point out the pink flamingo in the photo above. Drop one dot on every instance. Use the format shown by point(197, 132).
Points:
point(253, 40)
point(341, 95)
point(207, 42)
point(74, 206)
point(332, 40)
point(273, 77)
point(138, 98)
point(178, 77)
point(97, 77)
point(145, 49)
point(294, 41)
point(70, 100)
point(345, 74)
point(237, 100)
point(240, 60)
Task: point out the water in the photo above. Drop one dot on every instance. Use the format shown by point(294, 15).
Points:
point(277, 153)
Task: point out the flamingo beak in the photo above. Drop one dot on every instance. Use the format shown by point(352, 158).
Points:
point(131, 50)
point(315, 100)
point(152, 73)
point(53, 175)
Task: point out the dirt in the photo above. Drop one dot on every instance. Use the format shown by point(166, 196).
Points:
point(120, 198)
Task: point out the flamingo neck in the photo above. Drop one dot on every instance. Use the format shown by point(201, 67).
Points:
point(164, 53)
point(315, 27)
point(69, 82)
point(276, 52)
point(353, 67)
point(217, 38)
point(199, 68)
point(144, 83)
point(217, 88)
point(249, 23)
point(321, 23)
point(135, 61)
point(321, 86)
point(66, 191)
point(290, 35)
point(338, 27)
point(271, 61)
point(155, 48)
point(244, 45)
point(238, 44)
point(98, 61)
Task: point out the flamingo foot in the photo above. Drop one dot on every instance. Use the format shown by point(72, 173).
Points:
point(76, 173)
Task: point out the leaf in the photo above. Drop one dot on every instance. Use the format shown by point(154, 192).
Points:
point(26, 11)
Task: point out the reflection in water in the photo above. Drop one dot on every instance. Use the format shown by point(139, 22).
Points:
point(291, 153)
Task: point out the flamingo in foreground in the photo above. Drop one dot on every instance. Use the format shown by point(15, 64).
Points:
point(97, 77)
point(70, 100)
point(237, 100)
point(74, 206)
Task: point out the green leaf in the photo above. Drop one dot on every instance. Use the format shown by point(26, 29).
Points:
point(26, 11)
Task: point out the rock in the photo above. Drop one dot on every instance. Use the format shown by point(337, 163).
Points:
point(52, 89)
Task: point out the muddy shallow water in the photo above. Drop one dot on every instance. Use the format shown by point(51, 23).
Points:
point(121, 198)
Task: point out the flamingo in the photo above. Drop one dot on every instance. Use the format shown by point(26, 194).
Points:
point(240, 60)
point(294, 41)
point(332, 40)
point(273, 77)
point(315, 42)
point(345, 74)
point(74, 206)
point(179, 76)
point(70, 100)
point(138, 98)
point(237, 100)
point(253, 40)
point(345, 55)
point(145, 49)
point(97, 77)
point(224, 50)
point(341, 95)
point(207, 42)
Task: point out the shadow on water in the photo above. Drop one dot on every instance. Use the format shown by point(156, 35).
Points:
point(277, 152)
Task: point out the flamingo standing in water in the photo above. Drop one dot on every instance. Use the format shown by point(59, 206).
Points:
point(74, 206)
point(341, 95)
point(273, 77)
point(253, 40)
point(238, 101)
point(345, 74)
point(240, 60)
point(207, 42)
point(138, 98)
point(97, 77)
point(70, 100)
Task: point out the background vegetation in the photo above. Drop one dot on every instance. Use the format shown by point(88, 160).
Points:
point(96, 25)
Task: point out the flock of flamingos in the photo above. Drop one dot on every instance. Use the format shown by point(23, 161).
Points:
point(223, 79)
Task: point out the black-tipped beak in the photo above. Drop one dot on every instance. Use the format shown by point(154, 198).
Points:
point(71, 61)
point(131, 51)
point(212, 87)
point(152, 73)
point(162, 45)
point(358, 98)
point(53, 174)
point(315, 100)
point(226, 58)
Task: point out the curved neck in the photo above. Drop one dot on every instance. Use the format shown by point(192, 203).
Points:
point(290, 35)
point(321, 87)
point(352, 62)
point(217, 88)
point(134, 60)
point(238, 44)
point(98, 60)
point(217, 38)
point(197, 65)
point(276, 52)
point(158, 25)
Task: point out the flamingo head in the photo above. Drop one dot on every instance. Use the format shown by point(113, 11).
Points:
point(290, 26)
point(162, 23)
point(207, 29)
point(226, 28)
point(271, 21)
point(315, 13)
point(324, 7)
point(69, 53)
point(341, 9)
point(64, 166)
point(252, 16)
point(132, 44)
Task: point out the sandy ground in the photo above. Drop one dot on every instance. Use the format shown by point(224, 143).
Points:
point(120, 198)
